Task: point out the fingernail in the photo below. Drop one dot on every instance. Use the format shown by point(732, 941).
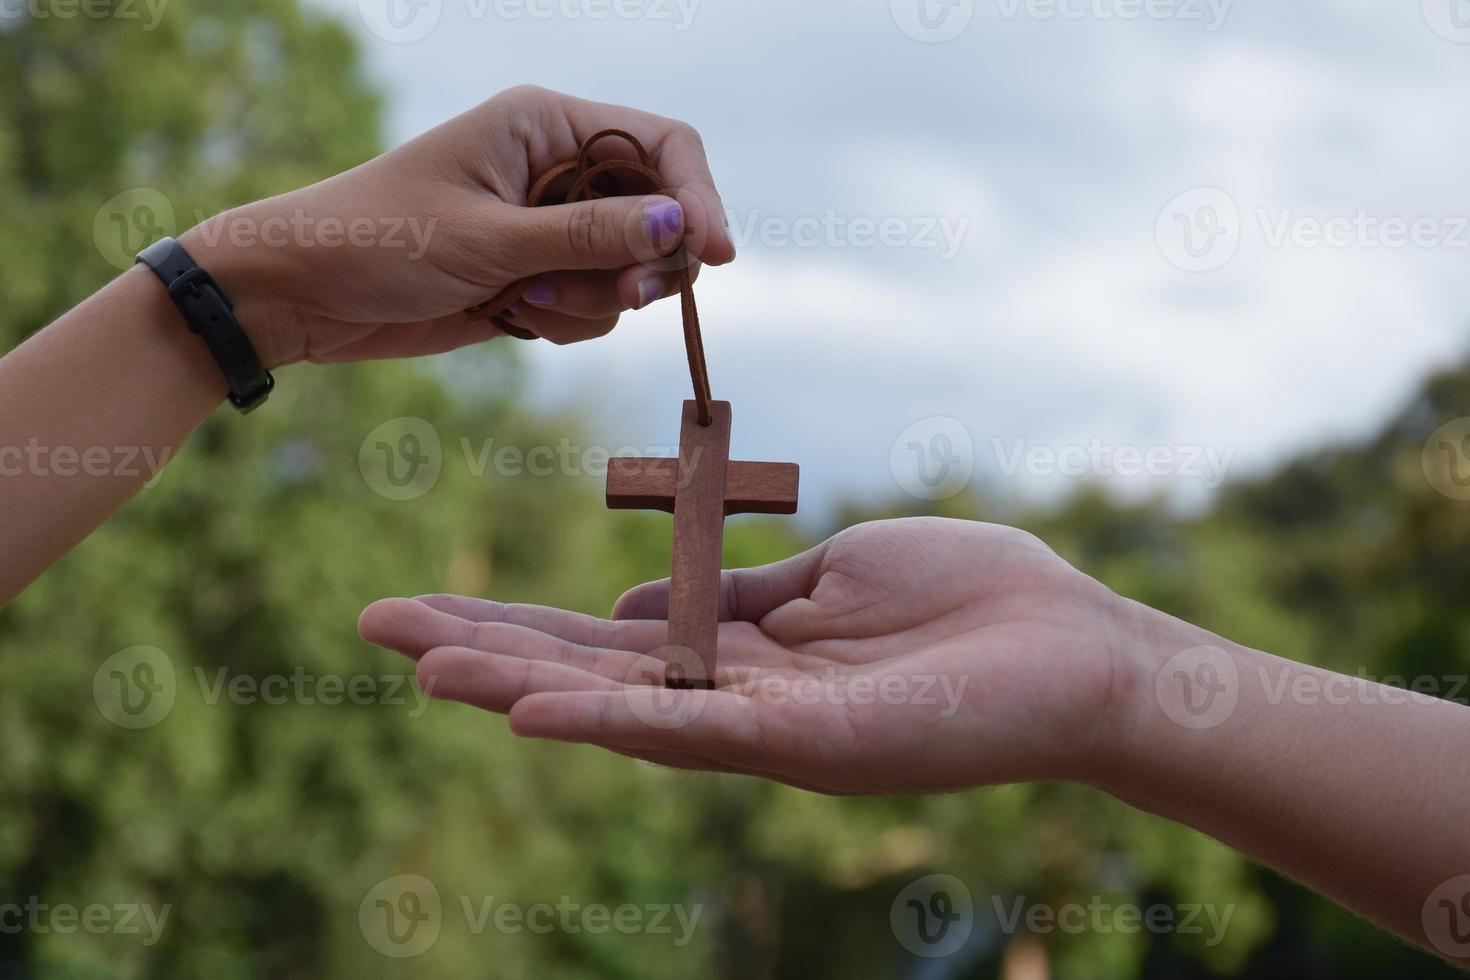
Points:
point(541, 293)
point(650, 289)
point(663, 221)
point(512, 309)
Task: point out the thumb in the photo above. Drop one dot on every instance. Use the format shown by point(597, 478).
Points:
point(746, 594)
point(608, 233)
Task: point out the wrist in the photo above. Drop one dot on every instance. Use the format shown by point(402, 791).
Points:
point(253, 277)
point(1175, 687)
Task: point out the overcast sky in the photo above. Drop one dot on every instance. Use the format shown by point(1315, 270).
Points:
point(1071, 233)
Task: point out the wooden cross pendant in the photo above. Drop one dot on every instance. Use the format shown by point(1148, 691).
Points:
point(700, 489)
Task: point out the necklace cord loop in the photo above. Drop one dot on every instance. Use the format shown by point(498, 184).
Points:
point(584, 172)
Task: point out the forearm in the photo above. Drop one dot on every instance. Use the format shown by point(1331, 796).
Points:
point(91, 408)
point(1357, 789)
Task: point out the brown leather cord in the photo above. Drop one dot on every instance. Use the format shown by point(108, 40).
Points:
point(581, 189)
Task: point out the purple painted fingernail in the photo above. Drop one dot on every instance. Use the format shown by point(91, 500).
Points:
point(513, 308)
point(650, 289)
point(541, 293)
point(663, 221)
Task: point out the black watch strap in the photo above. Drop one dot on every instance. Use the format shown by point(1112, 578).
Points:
point(211, 315)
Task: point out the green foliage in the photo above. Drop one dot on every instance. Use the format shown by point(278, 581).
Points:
point(264, 825)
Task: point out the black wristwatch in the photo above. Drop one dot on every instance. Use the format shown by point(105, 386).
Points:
point(211, 315)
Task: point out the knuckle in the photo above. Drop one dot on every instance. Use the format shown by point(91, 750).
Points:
point(687, 132)
point(1020, 538)
point(426, 674)
point(480, 636)
point(730, 593)
point(522, 92)
point(589, 229)
point(573, 655)
point(516, 112)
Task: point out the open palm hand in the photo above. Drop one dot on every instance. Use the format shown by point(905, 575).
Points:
point(897, 656)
